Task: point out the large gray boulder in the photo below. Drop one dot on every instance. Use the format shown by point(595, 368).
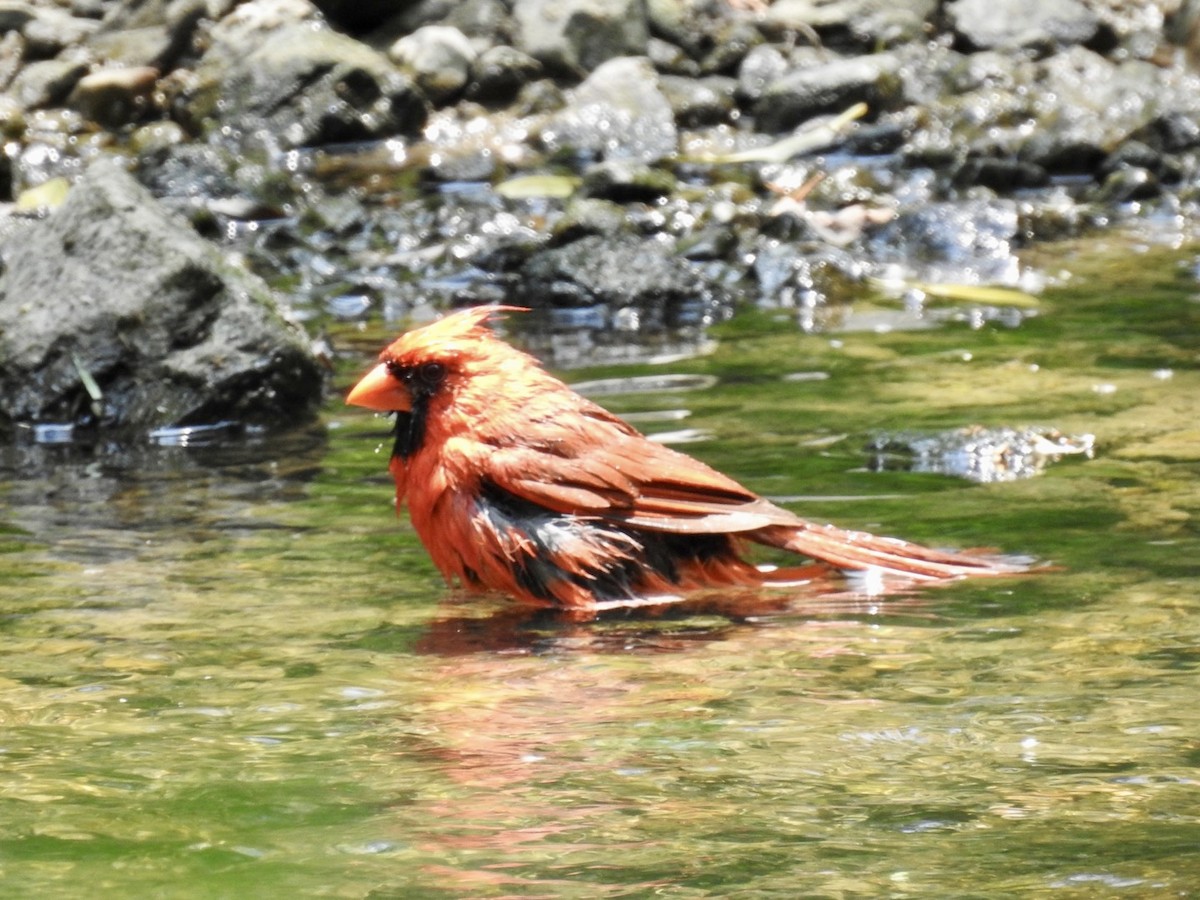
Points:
point(113, 289)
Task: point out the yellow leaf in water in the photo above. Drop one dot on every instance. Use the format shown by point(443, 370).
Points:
point(961, 293)
point(973, 293)
point(526, 187)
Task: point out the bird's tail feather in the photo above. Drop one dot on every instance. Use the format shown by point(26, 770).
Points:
point(861, 550)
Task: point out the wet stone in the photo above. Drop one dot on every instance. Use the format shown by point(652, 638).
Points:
point(499, 73)
point(46, 83)
point(829, 88)
point(977, 453)
point(619, 112)
point(698, 102)
point(571, 37)
point(114, 97)
point(624, 181)
point(438, 57)
point(606, 275)
point(1038, 24)
point(114, 314)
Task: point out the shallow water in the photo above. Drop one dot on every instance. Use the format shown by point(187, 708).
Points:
point(229, 671)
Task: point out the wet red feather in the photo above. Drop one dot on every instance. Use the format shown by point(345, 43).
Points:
point(518, 484)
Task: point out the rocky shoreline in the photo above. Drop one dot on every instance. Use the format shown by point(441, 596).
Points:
point(637, 168)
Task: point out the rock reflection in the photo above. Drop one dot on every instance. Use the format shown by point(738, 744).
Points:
point(105, 499)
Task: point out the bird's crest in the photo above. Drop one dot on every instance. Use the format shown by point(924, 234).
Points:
point(465, 324)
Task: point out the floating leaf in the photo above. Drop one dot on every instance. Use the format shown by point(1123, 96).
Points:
point(972, 293)
point(526, 187)
point(965, 293)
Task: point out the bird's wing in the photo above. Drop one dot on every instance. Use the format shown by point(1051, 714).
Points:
point(608, 470)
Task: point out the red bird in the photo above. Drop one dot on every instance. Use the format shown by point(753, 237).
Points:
point(516, 483)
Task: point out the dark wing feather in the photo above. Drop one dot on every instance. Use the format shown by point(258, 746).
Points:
point(609, 471)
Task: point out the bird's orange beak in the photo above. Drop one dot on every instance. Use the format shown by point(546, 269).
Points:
point(380, 390)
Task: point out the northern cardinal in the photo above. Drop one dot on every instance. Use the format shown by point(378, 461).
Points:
point(516, 483)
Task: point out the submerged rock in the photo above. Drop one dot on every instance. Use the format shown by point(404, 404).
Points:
point(115, 313)
point(977, 453)
point(946, 242)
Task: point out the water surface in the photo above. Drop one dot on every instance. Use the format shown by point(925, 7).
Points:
point(230, 671)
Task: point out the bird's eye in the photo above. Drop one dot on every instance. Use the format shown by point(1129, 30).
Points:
point(432, 373)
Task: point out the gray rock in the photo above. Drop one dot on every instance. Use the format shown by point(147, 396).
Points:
point(759, 69)
point(1171, 132)
point(52, 30)
point(46, 82)
point(15, 15)
point(985, 70)
point(438, 58)
point(1127, 184)
point(590, 215)
point(499, 73)
point(487, 20)
point(1063, 115)
point(624, 181)
point(1036, 24)
point(619, 112)
point(126, 15)
point(699, 101)
point(300, 85)
point(830, 88)
point(713, 34)
point(940, 240)
point(670, 59)
point(114, 97)
point(728, 46)
point(573, 37)
point(1095, 106)
point(12, 53)
point(611, 273)
point(1133, 154)
point(154, 33)
point(171, 333)
point(865, 23)
point(133, 47)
